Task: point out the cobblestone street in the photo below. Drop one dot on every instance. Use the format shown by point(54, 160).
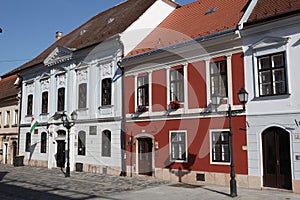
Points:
point(39, 183)
point(27, 183)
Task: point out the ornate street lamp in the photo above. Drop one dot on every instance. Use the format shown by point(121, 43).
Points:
point(67, 123)
point(243, 98)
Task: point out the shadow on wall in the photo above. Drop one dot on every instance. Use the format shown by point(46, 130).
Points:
point(180, 169)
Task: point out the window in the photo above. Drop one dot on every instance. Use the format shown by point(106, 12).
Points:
point(218, 80)
point(28, 142)
point(82, 94)
point(106, 92)
point(43, 142)
point(29, 104)
point(61, 99)
point(272, 78)
point(178, 146)
point(7, 118)
point(44, 102)
point(16, 117)
point(176, 85)
point(106, 143)
point(143, 91)
point(220, 146)
point(81, 143)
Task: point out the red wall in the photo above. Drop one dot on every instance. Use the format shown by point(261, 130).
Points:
point(129, 94)
point(237, 62)
point(159, 90)
point(197, 84)
point(198, 138)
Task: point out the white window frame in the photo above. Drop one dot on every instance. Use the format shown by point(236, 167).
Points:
point(7, 118)
point(211, 147)
point(268, 46)
point(16, 116)
point(186, 147)
point(229, 77)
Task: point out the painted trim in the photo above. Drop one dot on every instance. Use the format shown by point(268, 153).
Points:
point(211, 145)
point(186, 147)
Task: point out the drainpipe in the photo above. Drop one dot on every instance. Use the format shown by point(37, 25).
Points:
point(123, 114)
point(19, 98)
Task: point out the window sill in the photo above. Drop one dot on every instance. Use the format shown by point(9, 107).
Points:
point(272, 97)
point(220, 163)
point(44, 114)
point(105, 107)
point(82, 109)
point(179, 161)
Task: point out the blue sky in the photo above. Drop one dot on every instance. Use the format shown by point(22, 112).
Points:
point(29, 26)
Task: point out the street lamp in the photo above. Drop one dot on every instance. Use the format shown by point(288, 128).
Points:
point(67, 123)
point(243, 98)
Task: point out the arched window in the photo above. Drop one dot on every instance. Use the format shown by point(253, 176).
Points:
point(43, 142)
point(81, 143)
point(106, 92)
point(106, 143)
point(28, 142)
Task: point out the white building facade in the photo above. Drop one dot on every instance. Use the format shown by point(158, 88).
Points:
point(86, 80)
point(273, 134)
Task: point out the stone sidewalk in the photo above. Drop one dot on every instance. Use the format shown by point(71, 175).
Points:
point(24, 183)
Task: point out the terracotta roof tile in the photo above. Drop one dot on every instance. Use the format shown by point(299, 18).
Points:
point(99, 28)
point(266, 9)
point(191, 21)
point(7, 88)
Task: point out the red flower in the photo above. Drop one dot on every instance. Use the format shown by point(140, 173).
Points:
point(174, 104)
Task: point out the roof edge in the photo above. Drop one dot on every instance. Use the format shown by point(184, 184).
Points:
point(178, 45)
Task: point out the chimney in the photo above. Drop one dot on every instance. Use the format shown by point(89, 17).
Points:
point(59, 35)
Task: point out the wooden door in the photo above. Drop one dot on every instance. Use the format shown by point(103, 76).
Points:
point(276, 159)
point(145, 156)
point(61, 153)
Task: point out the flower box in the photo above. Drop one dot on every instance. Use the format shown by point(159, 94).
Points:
point(142, 109)
point(174, 105)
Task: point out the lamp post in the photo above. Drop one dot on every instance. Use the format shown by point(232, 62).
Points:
point(243, 98)
point(67, 123)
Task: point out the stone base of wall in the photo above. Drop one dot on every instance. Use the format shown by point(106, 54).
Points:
point(100, 169)
point(296, 186)
point(210, 178)
point(36, 163)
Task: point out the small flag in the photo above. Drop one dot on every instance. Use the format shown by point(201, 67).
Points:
point(34, 123)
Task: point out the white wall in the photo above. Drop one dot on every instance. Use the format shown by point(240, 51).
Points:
point(282, 110)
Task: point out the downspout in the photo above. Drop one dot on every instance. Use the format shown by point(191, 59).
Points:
point(19, 98)
point(123, 114)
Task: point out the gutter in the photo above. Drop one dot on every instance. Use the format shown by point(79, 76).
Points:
point(182, 44)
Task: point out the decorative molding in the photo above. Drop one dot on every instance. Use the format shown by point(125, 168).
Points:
point(58, 55)
point(45, 84)
point(30, 88)
point(269, 42)
point(82, 75)
point(61, 80)
point(106, 69)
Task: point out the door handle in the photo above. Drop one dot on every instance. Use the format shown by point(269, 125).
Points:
point(278, 162)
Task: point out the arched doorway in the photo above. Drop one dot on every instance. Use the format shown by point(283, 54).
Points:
point(276, 158)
